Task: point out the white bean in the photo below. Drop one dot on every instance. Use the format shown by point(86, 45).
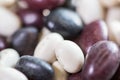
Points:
point(9, 22)
point(45, 48)
point(70, 56)
point(113, 21)
point(60, 73)
point(11, 74)
point(89, 10)
point(7, 3)
point(9, 57)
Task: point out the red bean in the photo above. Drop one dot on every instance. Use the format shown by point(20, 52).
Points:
point(102, 61)
point(91, 34)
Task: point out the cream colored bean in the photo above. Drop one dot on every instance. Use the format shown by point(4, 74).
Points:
point(60, 73)
point(70, 56)
point(89, 10)
point(45, 48)
point(9, 22)
point(113, 21)
point(9, 57)
point(7, 3)
point(109, 3)
point(11, 74)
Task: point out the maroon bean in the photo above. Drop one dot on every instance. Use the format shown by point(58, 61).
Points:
point(91, 34)
point(44, 4)
point(31, 18)
point(102, 61)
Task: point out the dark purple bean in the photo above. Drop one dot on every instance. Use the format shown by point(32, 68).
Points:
point(101, 62)
point(65, 22)
point(34, 68)
point(91, 34)
point(25, 40)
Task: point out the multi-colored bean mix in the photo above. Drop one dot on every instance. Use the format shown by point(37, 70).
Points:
point(59, 39)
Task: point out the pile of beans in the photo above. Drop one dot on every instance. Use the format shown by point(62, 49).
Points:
point(59, 39)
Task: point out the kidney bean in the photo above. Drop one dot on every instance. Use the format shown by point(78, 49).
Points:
point(101, 62)
point(34, 68)
point(9, 57)
point(11, 74)
point(31, 18)
point(45, 49)
point(44, 4)
point(25, 40)
point(113, 21)
point(65, 22)
point(89, 10)
point(9, 22)
point(91, 34)
point(70, 56)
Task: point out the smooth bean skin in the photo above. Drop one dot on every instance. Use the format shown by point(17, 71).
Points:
point(65, 22)
point(9, 22)
point(44, 4)
point(91, 34)
point(45, 49)
point(31, 18)
point(9, 57)
point(101, 62)
point(34, 68)
point(70, 56)
point(7, 73)
point(25, 40)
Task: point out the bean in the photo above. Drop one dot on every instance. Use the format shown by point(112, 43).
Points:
point(92, 33)
point(9, 22)
point(44, 4)
point(11, 74)
point(31, 18)
point(101, 62)
point(25, 40)
point(34, 68)
point(9, 57)
point(65, 22)
point(89, 10)
point(45, 48)
point(113, 21)
point(70, 56)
